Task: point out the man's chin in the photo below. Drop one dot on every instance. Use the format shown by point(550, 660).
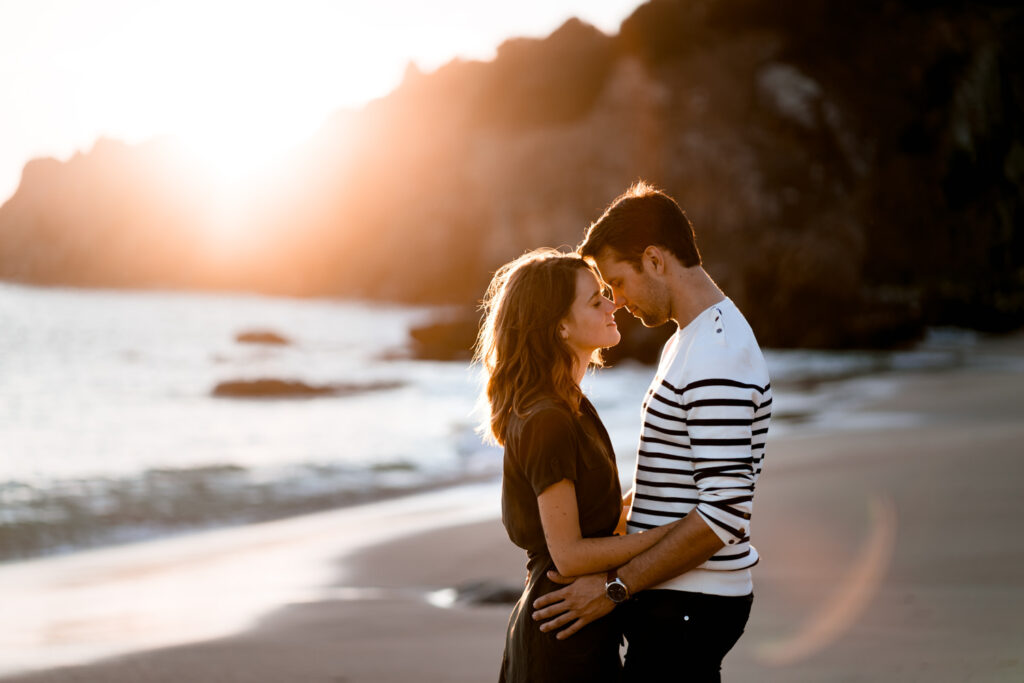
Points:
point(649, 320)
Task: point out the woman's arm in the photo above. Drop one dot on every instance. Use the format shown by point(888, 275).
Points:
point(574, 555)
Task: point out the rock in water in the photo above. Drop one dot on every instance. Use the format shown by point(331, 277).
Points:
point(485, 592)
point(279, 388)
point(261, 337)
point(451, 338)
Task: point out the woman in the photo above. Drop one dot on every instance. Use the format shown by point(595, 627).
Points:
point(546, 321)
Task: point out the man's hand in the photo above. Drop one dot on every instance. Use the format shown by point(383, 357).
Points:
point(578, 604)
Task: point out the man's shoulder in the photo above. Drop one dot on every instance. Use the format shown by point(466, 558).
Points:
point(725, 348)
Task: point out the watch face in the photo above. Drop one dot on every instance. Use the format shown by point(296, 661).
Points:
point(617, 592)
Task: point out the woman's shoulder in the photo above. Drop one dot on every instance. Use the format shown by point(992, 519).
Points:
point(546, 414)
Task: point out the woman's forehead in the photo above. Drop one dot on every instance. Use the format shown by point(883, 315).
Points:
point(587, 282)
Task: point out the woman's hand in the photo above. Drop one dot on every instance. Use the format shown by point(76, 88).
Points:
point(627, 503)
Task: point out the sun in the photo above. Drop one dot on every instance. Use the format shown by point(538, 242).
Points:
point(237, 151)
point(239, 90)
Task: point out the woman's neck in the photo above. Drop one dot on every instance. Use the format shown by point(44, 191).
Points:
point(582, 363)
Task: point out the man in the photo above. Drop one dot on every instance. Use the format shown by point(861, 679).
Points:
point(686, 600)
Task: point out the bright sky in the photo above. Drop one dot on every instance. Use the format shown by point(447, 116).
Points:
point(221, 73)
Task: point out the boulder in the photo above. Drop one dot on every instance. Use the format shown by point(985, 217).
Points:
point(279, 388)
point(261, 337)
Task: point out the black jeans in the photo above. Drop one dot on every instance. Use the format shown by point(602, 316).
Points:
point(679, 636)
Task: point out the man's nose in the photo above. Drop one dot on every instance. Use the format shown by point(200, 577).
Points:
point(619, 301)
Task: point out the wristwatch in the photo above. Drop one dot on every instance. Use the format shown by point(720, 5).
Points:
point(615, 589)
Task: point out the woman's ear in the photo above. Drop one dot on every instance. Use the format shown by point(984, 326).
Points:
point(563, 331)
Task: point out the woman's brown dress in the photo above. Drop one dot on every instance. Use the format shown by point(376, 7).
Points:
point(549, 445)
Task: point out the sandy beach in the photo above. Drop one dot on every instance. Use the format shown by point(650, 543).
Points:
point(889, 553)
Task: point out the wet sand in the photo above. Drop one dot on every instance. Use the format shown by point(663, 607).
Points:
point(888, 554)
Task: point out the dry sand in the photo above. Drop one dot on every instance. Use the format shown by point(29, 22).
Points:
point(890, 554)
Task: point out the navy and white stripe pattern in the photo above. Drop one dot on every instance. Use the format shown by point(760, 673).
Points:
point(703, 441)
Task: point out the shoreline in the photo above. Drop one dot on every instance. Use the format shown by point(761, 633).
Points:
point(145, 533)
point(888, 553)
point(120, 599)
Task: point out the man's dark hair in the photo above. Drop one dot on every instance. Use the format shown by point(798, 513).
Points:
point(640, 217)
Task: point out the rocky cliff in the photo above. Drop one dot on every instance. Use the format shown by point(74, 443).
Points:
point(854, 171)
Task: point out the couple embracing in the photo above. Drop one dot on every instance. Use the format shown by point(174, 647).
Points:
point(678, 584)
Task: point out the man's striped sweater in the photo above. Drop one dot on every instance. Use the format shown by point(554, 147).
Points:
point(705, 422)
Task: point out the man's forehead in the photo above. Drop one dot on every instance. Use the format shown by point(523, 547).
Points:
point(608, 263)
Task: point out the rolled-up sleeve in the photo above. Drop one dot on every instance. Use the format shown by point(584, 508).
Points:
point(720, 414)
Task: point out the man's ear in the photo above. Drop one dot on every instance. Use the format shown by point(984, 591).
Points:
point(655, 257)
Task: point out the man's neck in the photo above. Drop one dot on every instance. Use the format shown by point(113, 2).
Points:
point(692, 291)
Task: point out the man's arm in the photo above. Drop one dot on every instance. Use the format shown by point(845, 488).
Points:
point(690, 544)
point(686, 546)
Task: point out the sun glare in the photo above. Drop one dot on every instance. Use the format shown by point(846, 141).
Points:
point(240, 100)
point(240, 83)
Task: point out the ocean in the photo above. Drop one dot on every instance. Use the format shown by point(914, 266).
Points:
point(110, 429)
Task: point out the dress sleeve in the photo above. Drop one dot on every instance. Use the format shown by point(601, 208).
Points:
point(548, 449)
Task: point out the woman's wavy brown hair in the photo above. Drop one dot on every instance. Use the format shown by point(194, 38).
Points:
point(519, 346)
